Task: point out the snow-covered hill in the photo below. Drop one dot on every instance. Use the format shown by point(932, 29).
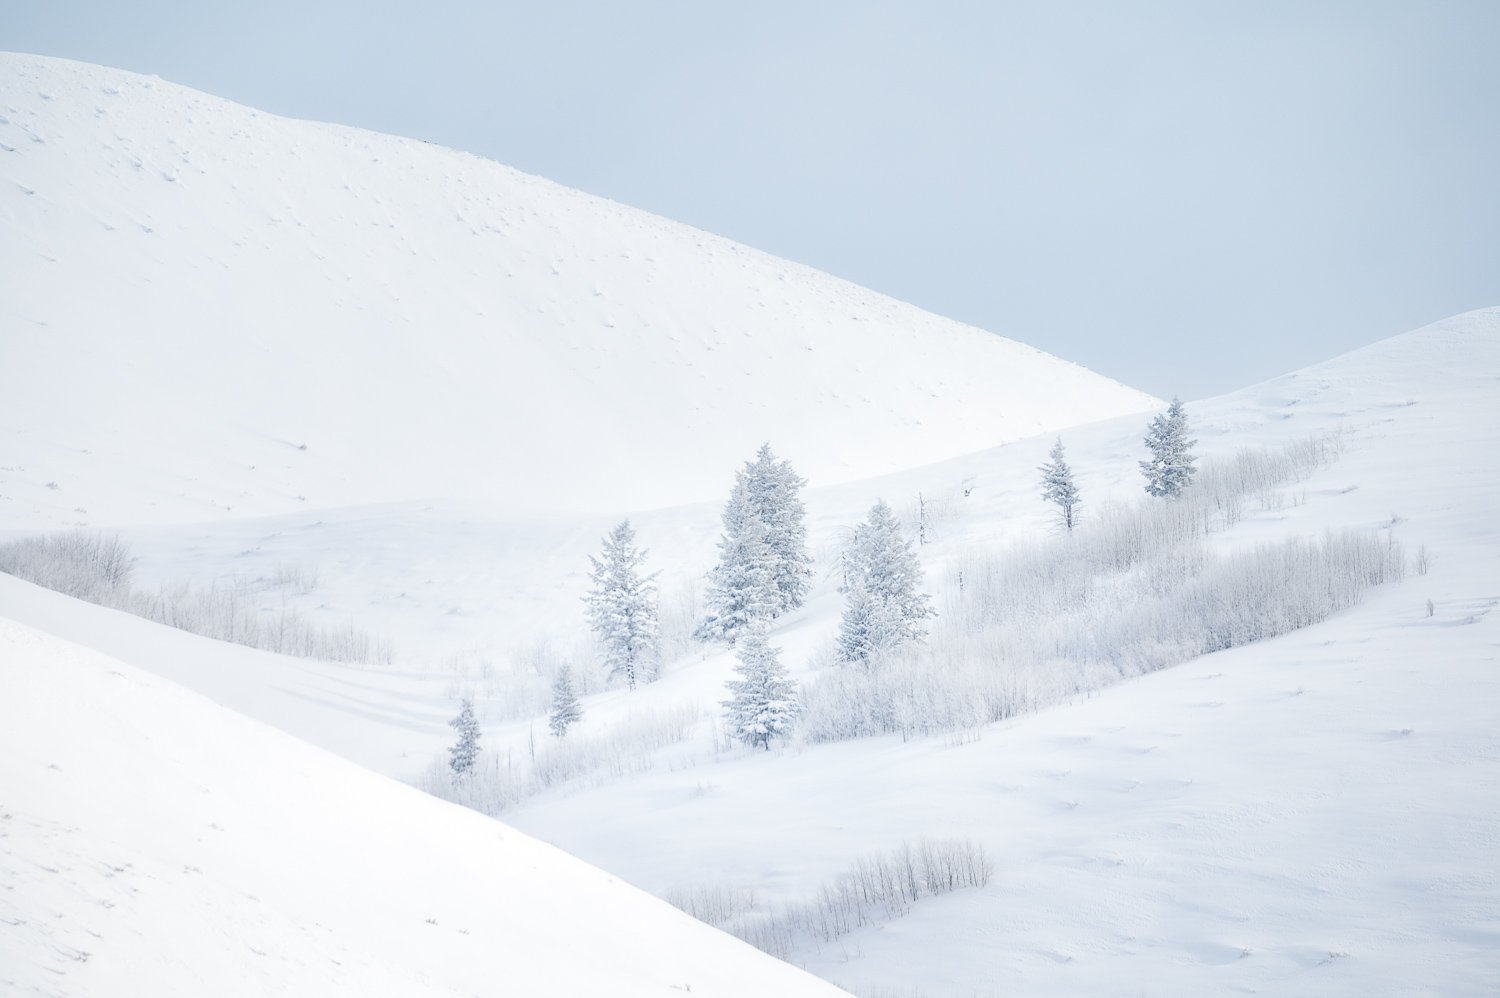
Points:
point(1310, 814)
point(193, 291)
point(207, 311)
point(154, 843)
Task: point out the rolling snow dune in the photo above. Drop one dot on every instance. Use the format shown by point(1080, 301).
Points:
point(152, 843)
point(210, 311)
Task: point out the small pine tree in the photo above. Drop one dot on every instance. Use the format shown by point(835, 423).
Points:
point(1170, 470)
point(622, 607)
point(881, 560)
point(763, 702)
point(566, 708)
point(465, 752)
point(1058, 487)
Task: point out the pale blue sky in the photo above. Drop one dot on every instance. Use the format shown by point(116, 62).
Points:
point(1184, 196)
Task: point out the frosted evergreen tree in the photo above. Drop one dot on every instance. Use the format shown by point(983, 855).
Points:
point(763, 702)
point(1170, 469)
point(773, 493)
point(764, 567)
point(742, 586)
point(880, 560)
point(463, 753)
point(1058, 487)
point(867, 626)
point(566, 709)
point(621, 606)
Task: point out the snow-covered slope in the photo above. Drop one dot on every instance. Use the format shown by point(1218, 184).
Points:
point(1314, 814)
point(207, 310)
point(153, 843)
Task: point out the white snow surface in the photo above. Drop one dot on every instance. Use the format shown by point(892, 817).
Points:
point(154, 843)
point(1315, 814)
point(224, 288)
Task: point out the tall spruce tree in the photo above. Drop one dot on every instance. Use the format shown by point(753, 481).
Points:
point(867, 625)
point(1170, 470)
point(566, 708)
point(763, 702)
point(742, 586)
point(463, 753)
point(764, 567)
point(621, 607)
point(884, 604)
point(773, 492)
point(1058, 487)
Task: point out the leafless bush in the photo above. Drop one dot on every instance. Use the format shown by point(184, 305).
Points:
point(678, 611)
point(294, 578)
point(97, 568)
point(501, 780)
point(1134, 590)
point(87, 566)
point(715, 904)
point(874, 889)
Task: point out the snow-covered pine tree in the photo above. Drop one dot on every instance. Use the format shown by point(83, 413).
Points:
point(1170, 469)
point(763, 702)
point(773, 492)
point(1058, 487)
point(566, 709)
point(463, 753)
point(879, 559)
point(867, 626)
point(742, 586)
point(764, 567)
point(621, 605)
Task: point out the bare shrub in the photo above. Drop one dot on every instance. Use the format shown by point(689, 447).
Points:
point(295, 578)
point(715, 904)
point(1135, 589)
point(874, 889)
point(678, 611)
point(87, 566)
point(97, 568)
point(501, 780)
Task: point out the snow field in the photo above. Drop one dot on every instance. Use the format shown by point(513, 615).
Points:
point(154, 843)
point(1312, 813)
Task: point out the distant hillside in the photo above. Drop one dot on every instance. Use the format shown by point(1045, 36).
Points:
point(206, 309)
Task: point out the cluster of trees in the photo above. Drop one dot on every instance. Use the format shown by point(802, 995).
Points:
point(1168, 472)
point(764, 570)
